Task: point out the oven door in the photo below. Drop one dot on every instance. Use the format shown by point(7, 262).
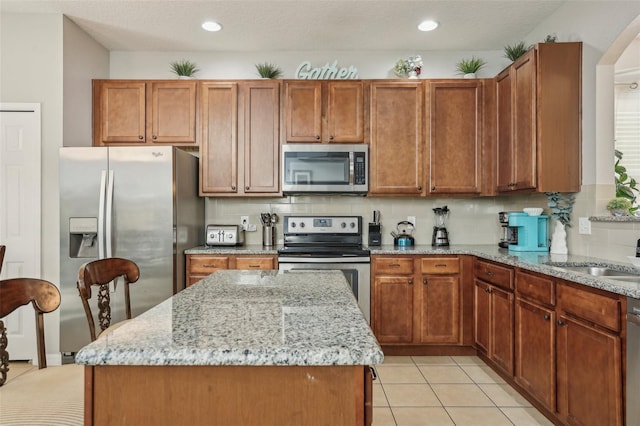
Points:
point(357, 275)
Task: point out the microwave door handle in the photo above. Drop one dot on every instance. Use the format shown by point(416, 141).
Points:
point(351, 168)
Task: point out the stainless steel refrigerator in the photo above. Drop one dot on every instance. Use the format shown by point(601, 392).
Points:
point(139, 203)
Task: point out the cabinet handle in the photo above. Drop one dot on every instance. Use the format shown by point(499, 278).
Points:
point(317, 137)
point(489, 273)
point(547, 317)
point(374, 376)
point(210, 265)
point(425, 281)
point(154, 137)
point(254, 266)
point(410, 282)
point(488, 290)
point(394, 265)
point(233, 188)
point(440, 265)
point(141, 137)
point(561, 323)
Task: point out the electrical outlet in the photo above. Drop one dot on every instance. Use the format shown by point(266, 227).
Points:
point(244, 222)
point(584, 225)
point(412, 219)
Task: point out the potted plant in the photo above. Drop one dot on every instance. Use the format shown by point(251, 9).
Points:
point(409, 68)
point(184, 68)
point(626, 186)
point(514, 51)
point(619, 206)
point(469, 67)
point(550, 38)
point(267, 70)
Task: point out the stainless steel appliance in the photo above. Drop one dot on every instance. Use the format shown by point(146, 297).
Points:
point(440, 237)
point(225, 235)
point(633, 363)
point(325, 168)
point(139, 203)
point(508, 234)
point(329, 242)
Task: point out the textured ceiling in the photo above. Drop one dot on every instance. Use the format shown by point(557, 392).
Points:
point(274, 25)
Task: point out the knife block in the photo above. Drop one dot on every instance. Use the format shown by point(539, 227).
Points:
point(375, 236)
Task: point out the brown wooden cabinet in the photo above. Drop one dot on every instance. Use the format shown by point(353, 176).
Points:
point(396, 146)
point(135, 112)
point(201, 265)
point(538, 102)
point(493, 315)
point(416, 300)
point(239, 152)
point(454, 136)
point(324, 111)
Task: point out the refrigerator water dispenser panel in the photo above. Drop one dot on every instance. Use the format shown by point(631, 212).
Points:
point(83, 237)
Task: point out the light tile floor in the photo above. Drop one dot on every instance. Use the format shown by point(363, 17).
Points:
point(447, 390)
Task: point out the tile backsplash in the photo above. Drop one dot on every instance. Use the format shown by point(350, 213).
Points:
point(471, 220)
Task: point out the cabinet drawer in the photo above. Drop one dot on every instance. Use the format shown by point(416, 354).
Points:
point(393, 265)
point(440, 265)
point(594, 307)
point(535, 288)
point(255, 262)
point(500, 276)
point(204, 264)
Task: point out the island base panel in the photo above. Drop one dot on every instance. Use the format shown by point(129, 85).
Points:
point(225, 395)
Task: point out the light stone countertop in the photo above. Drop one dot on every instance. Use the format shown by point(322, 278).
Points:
point(240, 318)
point(533, 261)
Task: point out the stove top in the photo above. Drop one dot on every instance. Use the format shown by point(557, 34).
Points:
point(323, 236)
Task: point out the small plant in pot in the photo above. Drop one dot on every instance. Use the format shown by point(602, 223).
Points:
point(619, 206)
point(469, 67)
point(184, 68)
point(267, 70)
point(514, 51)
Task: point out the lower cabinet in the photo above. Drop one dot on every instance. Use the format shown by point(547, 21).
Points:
point(201, 265)
point(416, 300)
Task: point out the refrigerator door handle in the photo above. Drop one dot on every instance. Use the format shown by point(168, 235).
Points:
point(109, 214)
point(101, 202)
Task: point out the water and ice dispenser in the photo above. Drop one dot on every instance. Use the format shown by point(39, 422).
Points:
point(83, 237)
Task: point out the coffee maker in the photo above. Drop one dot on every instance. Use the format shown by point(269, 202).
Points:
point(440, 236)
point(508, 234)
point(532, 232)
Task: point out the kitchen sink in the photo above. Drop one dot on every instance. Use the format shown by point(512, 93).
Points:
point(600, 271)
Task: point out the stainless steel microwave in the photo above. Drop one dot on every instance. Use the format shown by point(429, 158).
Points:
point(325, 168)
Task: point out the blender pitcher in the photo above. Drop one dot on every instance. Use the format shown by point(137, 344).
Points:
point(440, 235)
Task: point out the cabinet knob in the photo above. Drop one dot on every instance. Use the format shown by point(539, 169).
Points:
point(330, 137)
point(561, 323)
point(154, 137)
point(246, 188)
point(420, 188)
point(410, 282)
point(141, 137)
point(433, 188)
point(547, 317)
point(317, 137)
point(233, 187)
point(425, 282)
point(489, 273)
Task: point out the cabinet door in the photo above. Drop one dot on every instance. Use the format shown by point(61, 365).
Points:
point(502, 329)
point(260, 137)
point(393, 309)
point(396, 152)
point(589, 395)
point(504, 130)
point(219, 144)
point(172, 112)
point(535, 349)
point(524, 121)
point(454, 136)
point(481, 315)
point(121, 114)
point(345, 112)
point(440, 309)
point(303, 111)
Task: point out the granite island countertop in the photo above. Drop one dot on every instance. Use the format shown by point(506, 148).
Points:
point(243, 318)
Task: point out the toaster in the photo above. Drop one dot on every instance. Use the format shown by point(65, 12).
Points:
point(225, 235)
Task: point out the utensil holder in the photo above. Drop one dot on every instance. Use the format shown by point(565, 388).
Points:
point(268, 236)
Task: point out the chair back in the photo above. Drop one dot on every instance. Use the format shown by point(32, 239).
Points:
point(100, 273)
point(16, 292)
point(2, 250)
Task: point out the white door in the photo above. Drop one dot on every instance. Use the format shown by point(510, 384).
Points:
point(20, 214)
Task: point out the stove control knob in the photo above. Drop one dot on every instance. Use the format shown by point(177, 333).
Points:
point(343, 225)
point(301, 224)
point(352, 225)
point(293, 224)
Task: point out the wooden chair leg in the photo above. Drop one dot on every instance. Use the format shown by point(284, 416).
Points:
point(4, 355)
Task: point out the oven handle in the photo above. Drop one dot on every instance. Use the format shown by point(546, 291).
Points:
point(363, 259)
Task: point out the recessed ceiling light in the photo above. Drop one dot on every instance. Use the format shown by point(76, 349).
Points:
point(211, 26)
point(428, 25)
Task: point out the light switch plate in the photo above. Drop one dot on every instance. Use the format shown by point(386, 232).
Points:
point(412, 219)
point(584, 226)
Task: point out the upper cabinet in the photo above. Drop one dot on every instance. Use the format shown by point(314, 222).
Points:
point(324, 111)
point(240, 140)
point(396, 146)
point(133, 112)
point(454, 136)
point(538, 120)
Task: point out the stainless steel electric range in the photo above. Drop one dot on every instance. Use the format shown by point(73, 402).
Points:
point(329, 242)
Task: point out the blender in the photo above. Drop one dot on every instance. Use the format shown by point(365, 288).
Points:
point(440, 235)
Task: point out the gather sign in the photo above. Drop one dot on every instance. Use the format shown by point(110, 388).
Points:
point(306, 71)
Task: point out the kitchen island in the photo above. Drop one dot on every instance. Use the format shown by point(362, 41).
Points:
point(238, 347)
